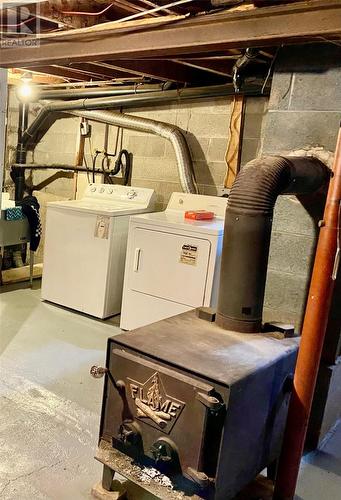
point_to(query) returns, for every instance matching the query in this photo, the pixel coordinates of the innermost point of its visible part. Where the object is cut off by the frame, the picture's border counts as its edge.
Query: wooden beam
(298, 22)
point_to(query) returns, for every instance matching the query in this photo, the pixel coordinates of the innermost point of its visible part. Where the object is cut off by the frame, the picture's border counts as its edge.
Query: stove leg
(107, 478)
(271, 470)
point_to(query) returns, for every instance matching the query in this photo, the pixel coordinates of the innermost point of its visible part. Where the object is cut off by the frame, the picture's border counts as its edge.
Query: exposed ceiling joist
(204, 34)
(64, 72)
(217, 67)
(166, 70)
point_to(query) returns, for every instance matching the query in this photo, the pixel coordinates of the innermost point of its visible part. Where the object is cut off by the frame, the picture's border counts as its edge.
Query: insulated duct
(169, 132)
(247, 234)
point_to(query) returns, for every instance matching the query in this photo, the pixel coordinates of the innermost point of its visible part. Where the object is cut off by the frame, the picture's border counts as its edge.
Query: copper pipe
(313, 334)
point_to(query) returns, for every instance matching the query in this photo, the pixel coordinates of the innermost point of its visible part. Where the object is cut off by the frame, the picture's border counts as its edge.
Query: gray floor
(50, 406)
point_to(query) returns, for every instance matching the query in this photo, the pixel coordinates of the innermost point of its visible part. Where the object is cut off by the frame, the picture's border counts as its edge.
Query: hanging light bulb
(26, 91)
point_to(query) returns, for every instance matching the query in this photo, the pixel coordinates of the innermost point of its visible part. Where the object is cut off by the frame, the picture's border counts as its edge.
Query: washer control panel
(118, 193)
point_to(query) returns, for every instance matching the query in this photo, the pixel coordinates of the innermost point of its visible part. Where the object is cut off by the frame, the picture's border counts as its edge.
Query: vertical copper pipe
(313, 333)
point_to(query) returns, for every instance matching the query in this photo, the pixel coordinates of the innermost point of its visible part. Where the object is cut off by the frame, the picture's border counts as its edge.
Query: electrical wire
(87, 168)
(18, 24)
(151, 11)
(80, 13)
(94, 161)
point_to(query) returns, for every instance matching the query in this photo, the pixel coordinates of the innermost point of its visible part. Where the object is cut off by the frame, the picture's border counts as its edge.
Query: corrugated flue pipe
(247, 235)
(169, 132)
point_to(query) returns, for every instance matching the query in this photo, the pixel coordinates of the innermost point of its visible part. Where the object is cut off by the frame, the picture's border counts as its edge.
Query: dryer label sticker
(189, 255)
(102, 227)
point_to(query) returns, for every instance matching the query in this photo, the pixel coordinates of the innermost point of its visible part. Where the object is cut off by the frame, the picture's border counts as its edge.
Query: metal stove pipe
(100, 91)
(247, 233)
(18, 174)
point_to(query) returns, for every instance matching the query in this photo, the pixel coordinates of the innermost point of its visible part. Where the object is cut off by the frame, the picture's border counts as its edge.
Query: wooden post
(234, 146)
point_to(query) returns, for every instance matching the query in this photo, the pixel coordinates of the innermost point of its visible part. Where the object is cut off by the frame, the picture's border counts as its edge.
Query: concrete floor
(50, 406)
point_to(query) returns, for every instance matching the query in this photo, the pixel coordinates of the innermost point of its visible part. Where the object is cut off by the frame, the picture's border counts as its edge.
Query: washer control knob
(102, 190)
(93, 189)
(131, 194)
(110, 191)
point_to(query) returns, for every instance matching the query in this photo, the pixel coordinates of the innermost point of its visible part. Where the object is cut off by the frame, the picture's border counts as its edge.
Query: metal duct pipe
(169, 132)
(18, 175)
(105, 91)
(55, 166)
(132, 100)
(247, 233)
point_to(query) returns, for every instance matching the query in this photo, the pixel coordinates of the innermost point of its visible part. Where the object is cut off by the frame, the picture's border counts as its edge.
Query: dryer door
(170, 266)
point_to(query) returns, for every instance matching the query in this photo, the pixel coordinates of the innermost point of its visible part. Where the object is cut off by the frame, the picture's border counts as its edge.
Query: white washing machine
(172, 263)
(85, 247)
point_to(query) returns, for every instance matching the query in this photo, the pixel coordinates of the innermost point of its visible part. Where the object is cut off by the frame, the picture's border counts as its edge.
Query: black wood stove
(204, 405)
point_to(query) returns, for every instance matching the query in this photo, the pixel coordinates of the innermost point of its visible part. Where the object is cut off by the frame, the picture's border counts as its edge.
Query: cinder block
(156, 169)
(281, 90)
(291, 253)
(290, 216)
(210, 173)
(286, 293)
(317, 91)
(256, 105)
(219, 105)
(250, 149)
(253, 125)
(165, 191)
(288, 130)
(147, 146)
(217, 149)
(209, 125)
(65, 126)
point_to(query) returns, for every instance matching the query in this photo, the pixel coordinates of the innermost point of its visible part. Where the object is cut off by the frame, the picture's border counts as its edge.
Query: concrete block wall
(304, 111)
(206, 127)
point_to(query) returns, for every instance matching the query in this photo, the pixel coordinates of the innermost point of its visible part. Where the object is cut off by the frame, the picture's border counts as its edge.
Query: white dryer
(85, 247)
(172, 263)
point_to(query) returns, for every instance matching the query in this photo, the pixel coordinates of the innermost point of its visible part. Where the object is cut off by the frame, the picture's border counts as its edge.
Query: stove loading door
(163, 417)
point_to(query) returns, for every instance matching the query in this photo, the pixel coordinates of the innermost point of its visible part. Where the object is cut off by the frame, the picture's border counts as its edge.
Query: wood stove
(203, 405)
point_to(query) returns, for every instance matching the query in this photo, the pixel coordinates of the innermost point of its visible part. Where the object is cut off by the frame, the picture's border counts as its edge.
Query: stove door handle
(211, 402)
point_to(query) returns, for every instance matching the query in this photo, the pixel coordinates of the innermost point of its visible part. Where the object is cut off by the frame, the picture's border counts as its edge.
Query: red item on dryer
(199, 215)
